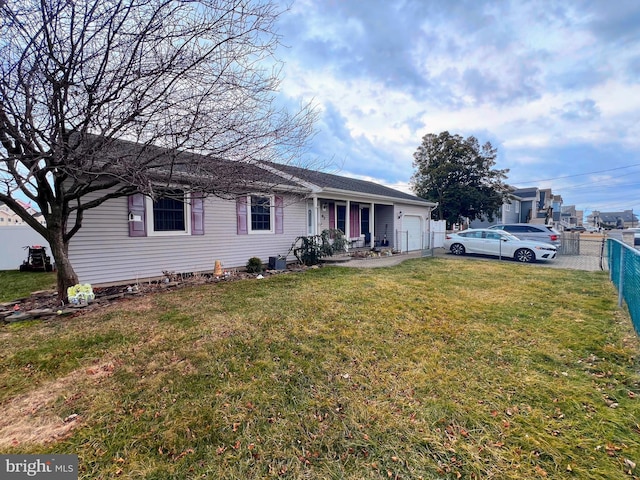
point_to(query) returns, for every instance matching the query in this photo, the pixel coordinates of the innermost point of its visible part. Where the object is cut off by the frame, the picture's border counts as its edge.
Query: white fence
(438, 229)
(13, 239)
(433, 238)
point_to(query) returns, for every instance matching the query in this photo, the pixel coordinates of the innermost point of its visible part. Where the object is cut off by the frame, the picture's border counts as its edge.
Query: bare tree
(105, 98)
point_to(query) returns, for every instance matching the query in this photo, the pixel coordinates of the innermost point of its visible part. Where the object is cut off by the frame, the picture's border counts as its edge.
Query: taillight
(447, 237)
(554, 238)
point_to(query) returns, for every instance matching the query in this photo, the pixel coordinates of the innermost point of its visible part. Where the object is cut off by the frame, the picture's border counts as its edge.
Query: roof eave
(373, 197)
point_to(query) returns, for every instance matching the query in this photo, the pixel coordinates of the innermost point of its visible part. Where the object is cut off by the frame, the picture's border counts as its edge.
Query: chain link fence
(624, 271)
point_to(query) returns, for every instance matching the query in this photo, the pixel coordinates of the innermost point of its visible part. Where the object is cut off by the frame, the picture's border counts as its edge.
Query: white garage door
(412, 225)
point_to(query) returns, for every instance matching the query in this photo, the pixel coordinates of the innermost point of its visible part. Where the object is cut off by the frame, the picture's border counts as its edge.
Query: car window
(516, 228)
(493, 236)
(471, 234)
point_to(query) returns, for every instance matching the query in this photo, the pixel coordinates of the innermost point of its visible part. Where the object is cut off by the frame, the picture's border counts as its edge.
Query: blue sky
(555, 86)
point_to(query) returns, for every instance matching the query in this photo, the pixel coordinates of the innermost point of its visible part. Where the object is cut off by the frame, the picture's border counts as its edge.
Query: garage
(412, 234)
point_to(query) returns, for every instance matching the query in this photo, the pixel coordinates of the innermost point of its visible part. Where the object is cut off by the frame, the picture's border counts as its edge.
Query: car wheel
(457, 249)
(524, 255)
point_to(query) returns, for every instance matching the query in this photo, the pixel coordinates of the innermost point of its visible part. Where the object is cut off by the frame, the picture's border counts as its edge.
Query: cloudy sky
(555, 86)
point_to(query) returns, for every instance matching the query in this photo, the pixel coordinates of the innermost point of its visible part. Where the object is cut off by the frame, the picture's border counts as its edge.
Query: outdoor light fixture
(400, 214)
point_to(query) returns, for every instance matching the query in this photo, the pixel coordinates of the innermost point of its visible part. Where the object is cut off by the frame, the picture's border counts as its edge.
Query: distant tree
(187, 83)
(458, 174)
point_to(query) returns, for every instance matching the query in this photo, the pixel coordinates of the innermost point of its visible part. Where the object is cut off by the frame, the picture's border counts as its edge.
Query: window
(169, 212)
(174, 213)
(261, 214)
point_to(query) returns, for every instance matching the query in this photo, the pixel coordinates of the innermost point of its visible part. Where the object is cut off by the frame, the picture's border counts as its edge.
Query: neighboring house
(509, 213)
(538, 205)
(570, 217)
(624, 219)
(135, 239)
(527, 205)
(8, 217)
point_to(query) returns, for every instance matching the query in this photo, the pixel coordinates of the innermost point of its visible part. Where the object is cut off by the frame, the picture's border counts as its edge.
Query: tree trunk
(66, 275)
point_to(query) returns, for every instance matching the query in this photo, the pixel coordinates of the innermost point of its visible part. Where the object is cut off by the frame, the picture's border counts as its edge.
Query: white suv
(531, 231)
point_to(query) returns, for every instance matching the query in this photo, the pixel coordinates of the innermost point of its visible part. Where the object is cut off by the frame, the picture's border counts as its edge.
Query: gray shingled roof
(329, 180)
(612, 217)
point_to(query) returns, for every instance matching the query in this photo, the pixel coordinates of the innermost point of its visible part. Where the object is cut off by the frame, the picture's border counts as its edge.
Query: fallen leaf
(541, 471)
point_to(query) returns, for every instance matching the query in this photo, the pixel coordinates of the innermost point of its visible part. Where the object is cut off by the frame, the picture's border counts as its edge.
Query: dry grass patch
(32, 419)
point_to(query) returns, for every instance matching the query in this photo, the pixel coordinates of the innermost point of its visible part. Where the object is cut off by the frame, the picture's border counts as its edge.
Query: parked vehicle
(576, 228)
(531, 231)
(498, 243)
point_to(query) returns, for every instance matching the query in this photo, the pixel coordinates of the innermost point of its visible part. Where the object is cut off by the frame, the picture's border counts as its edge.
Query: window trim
(151, 232)
(272, 217)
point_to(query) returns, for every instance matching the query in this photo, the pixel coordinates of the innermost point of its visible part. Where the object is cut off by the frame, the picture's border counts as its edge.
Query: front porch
(365, 225)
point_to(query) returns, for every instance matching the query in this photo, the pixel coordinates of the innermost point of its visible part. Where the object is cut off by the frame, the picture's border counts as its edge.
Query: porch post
(372, 225)
(314, 215)
(347, 221)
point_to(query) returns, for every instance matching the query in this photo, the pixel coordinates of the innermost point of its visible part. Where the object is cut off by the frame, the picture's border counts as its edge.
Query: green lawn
(434, 369)
(15, 284)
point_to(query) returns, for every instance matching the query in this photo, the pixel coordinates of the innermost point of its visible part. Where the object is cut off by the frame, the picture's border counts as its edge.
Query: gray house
(623, 219)
(135, 238)
(527, 205)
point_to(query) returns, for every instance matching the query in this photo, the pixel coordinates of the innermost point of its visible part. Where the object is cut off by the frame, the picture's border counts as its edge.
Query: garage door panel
(413, 226)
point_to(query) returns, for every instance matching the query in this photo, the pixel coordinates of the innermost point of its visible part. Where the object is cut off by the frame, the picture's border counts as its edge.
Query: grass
(15, 284)
(434, 369)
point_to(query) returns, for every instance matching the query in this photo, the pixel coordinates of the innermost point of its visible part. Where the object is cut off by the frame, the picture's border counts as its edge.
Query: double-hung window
(261, 214)
(172, 212)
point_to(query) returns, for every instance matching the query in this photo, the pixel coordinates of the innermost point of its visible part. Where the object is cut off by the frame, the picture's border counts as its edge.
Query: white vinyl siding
(103, 252)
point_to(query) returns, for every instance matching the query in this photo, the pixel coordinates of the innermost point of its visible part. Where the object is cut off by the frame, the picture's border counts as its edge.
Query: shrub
(254, 265)
(310, 250)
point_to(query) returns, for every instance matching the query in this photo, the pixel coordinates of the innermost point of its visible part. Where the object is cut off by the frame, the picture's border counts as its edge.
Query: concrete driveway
(588, 259)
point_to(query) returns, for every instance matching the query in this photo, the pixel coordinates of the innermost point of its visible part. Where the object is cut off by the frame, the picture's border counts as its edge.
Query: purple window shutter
(354, 221)
(279, 214)
(241, 215)
(197, 214)
(332, 215)
(137, 228)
